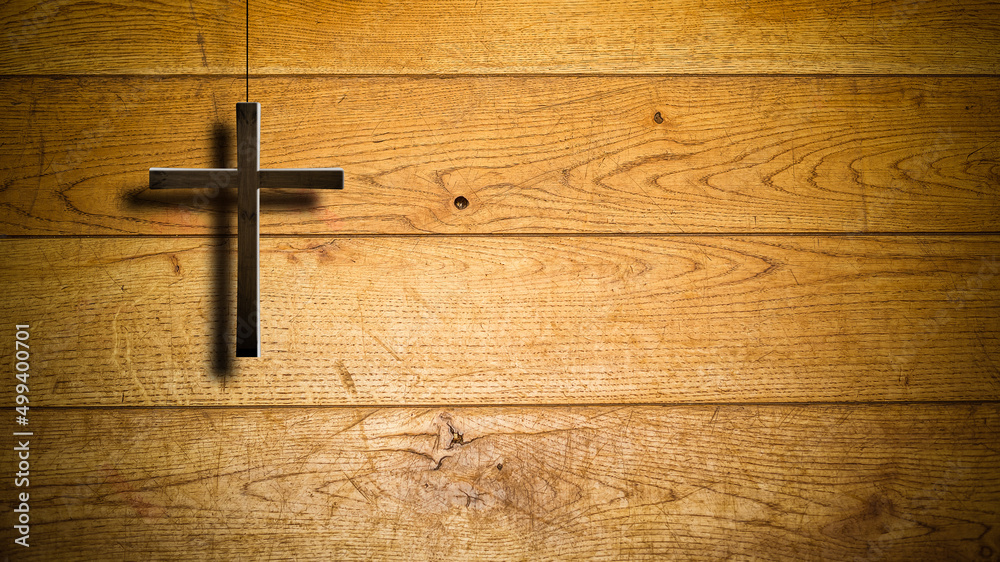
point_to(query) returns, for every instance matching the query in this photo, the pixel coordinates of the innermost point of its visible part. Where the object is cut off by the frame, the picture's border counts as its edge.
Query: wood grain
(857, 482)
(652, 330)
(513, 36)
(539, 155)
(512, 320)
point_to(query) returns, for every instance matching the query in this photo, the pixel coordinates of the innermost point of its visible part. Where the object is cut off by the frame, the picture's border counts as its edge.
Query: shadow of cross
(250, 178)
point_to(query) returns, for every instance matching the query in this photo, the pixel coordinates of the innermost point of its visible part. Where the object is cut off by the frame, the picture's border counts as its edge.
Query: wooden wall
(726, 286)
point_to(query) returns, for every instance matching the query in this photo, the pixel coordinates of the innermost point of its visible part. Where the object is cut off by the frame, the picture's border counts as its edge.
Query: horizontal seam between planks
(443, 405)
(520, 235)
(824, 75)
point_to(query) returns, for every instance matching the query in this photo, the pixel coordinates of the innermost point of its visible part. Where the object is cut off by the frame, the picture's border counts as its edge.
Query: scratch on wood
(345, 376)
(364, 494)
(126, 354)
(201, 37)
(379, 341)
(361, 315)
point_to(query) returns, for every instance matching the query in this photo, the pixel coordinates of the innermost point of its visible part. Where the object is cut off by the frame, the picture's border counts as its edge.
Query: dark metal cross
(249, 178)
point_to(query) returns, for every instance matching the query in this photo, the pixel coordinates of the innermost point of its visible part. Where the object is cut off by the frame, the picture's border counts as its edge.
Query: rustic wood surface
(542, 154)
(692, 280)
(832, 482)
(512, 36)
(514, 320)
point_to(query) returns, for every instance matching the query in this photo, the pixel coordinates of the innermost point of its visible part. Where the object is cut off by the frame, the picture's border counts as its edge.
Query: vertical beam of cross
(249, 179)
(248, 230)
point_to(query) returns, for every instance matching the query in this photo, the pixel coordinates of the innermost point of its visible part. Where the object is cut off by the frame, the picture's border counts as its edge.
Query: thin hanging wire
(248, 50)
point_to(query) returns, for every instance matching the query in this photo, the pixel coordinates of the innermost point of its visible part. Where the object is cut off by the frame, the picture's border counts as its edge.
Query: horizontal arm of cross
(310, 178)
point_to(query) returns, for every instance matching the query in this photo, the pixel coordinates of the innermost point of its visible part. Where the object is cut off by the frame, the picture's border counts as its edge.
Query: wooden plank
(652, 155)
(857, 482)
(513, 36)
(512, 320)
(248, 232)
(141, 37)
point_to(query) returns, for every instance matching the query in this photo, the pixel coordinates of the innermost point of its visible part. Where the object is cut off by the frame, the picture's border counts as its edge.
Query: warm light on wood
(614, 280)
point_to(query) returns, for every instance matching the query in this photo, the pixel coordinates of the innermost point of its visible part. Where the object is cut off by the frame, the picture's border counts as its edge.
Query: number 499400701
(22, 356)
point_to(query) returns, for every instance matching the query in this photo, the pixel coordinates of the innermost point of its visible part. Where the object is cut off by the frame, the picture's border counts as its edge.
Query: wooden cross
(249, 178)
